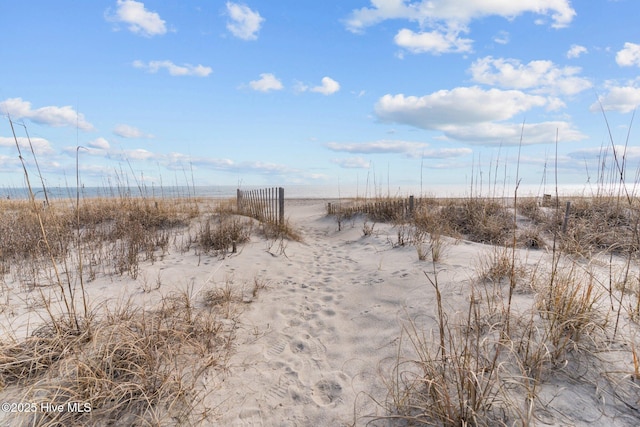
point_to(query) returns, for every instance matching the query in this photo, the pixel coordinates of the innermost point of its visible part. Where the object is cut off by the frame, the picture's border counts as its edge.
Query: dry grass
(221, 232)
(602, 224)
(126, 365)
(488, 366)
(129, 366)
(496, 363)
(480, 220)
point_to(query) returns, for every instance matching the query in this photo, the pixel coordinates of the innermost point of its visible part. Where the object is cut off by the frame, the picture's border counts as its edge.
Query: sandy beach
(323, 328)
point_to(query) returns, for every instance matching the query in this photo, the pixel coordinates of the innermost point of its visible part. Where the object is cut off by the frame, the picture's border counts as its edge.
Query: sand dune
(318, 345)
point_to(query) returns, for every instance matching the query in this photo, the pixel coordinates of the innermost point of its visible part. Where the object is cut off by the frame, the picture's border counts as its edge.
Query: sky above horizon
(330, 93)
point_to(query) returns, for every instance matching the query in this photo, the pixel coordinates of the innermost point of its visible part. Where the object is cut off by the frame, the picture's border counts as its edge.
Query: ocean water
(303, 191)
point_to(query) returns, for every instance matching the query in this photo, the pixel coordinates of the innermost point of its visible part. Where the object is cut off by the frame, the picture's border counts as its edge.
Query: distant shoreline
(318, 192)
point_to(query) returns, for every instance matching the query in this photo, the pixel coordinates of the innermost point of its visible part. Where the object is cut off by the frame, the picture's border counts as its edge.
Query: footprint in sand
(280, 391)
(329, 390)
(249, 417)
(278, 347)
(308, 346)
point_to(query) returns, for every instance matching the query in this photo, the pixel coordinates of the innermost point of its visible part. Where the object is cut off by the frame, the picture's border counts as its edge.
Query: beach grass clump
(603, 223)
(118, 232)
(129, 366)
(531, 208)
(570, 307)
(489, 365)
(450, 379)
(22, 226)
(480, 220)
(219, 233)
(284, 230)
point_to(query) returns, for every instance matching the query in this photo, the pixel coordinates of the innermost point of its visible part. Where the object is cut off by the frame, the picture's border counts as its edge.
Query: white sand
(314, 348)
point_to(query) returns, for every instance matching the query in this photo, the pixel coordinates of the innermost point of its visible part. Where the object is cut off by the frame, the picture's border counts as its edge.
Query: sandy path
(310, 346)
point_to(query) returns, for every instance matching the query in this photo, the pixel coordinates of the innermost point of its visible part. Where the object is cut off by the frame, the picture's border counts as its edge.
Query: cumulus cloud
(266, 83)
(138, 18)
(541, 76)
(50, 115)
(629, 55)
(576, 51)
(139, 154)
(435, 42)
(40, 145)
(126, 131)
(462, 105)
(474, 115)
(456, 13)
(623, 99)
(244, 23)
(490, 133)
(328, 86)
(99, 143)
(173, 69)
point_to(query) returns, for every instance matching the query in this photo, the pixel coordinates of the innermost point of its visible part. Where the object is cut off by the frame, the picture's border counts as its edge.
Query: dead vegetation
(118, 363)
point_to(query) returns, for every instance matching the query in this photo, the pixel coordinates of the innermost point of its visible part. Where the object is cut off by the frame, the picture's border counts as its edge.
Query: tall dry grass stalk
(126, 364)
(497, 364)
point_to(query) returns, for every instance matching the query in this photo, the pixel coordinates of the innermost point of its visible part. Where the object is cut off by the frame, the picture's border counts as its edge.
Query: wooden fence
(383, 210)
(266, 205)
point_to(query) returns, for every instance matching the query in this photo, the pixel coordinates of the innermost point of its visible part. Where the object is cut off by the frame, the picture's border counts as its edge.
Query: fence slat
(265, 204)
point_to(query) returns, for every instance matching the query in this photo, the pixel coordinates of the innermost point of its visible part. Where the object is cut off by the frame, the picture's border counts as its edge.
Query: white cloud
(446, 153)
(490, 133)
(630, 152)
(457, 13)
(576, 50)
(173, 69)
(475, 116)
(622, 99)
(139, 154)
(51, 115)
(328, 86)
(408, 148)
(266, 83)
(245, 23)
(462, 105)
(377, 147)
(502, 37)
(7, 164)
(263, 168)
(40, 145)
(140, 20)
(629, 55)
(126, 131)
(99, 143)
(541, 76)
(435, 42)
(352, 163)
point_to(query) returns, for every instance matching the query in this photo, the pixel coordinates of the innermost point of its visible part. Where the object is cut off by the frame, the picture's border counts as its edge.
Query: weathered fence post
(566, 218)
(412, 205)
(281, 205)
(239, 201)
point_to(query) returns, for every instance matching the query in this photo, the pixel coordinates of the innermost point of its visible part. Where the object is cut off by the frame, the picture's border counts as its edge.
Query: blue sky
(292, 92)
